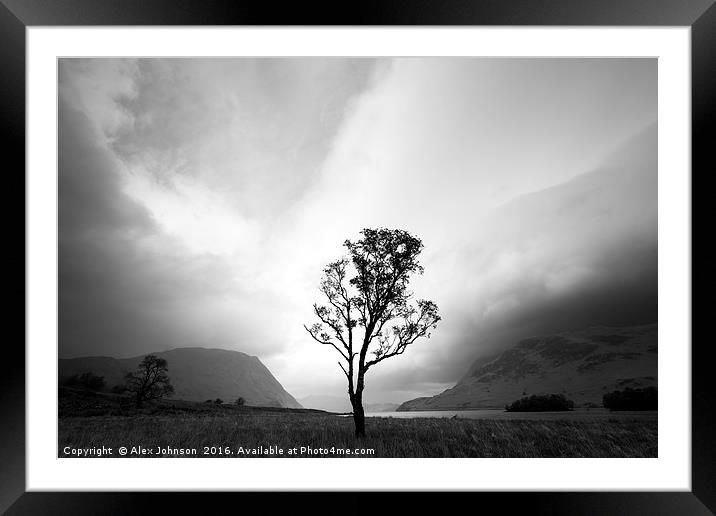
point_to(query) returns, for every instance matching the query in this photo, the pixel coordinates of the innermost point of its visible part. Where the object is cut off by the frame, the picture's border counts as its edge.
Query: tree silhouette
(376, 301)
(150, 380)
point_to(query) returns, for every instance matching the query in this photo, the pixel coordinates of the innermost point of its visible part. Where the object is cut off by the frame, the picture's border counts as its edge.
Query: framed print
(299, 252)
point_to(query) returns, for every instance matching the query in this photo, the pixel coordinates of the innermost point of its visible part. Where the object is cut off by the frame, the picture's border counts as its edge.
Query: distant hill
(582, 365)
(380, 407)
(342, 404)
(197, 374)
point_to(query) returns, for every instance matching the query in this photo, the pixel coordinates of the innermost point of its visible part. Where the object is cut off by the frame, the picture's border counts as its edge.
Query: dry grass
(426, 437)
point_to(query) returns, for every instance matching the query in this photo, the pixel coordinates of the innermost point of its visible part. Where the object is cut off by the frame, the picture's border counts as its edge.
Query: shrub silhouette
(541, 403)
(119, 389)
(87, 380)
(240, 401)
(631, 399)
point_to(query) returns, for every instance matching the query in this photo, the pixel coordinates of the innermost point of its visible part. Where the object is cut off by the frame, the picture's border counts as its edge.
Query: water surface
(502, 414)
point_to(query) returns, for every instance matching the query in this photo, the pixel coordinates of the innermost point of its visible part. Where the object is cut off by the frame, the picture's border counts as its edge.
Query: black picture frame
(17, 15)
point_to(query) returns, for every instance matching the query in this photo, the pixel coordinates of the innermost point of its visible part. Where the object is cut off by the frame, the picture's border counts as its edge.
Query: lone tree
(370, 315)
(150, 380)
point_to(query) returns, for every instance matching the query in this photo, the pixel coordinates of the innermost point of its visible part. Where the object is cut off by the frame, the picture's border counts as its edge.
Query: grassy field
(92, 421)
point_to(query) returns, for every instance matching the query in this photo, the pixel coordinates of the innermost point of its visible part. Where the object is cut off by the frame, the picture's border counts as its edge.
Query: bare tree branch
(325, 342)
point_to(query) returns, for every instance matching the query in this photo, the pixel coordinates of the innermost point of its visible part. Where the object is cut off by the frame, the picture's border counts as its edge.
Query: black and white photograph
(353, 257)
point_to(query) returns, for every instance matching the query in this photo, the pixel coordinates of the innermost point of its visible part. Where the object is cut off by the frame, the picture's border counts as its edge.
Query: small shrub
(240, 401)
(218, 401)
(70, 381)
(541, 403)
(87, 381)
(632, 399)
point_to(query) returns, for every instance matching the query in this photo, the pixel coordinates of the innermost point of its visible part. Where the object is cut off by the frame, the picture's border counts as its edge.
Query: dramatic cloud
(126, 287)
(200, 200)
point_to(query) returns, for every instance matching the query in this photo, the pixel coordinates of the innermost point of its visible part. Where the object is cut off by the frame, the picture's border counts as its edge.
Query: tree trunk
(359, 417)
(358, 413)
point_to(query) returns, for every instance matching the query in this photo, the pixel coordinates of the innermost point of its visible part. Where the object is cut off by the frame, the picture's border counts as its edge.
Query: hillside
(197, 374)
(581, 365)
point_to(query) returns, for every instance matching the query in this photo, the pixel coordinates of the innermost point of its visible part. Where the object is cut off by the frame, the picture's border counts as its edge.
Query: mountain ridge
(197, 374)
(583, 365)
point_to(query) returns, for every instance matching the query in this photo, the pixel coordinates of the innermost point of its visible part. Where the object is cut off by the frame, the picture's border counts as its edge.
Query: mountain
(342, 404)
(380, 407)
(582, 365)
(197, 374)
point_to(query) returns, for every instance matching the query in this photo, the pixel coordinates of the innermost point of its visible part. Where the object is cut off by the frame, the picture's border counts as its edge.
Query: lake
(501, 414)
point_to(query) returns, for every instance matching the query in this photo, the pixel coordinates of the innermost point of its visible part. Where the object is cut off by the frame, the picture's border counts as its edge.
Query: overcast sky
(199, 200)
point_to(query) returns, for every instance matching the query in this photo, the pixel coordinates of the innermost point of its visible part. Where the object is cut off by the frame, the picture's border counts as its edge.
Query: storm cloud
(199, 200)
